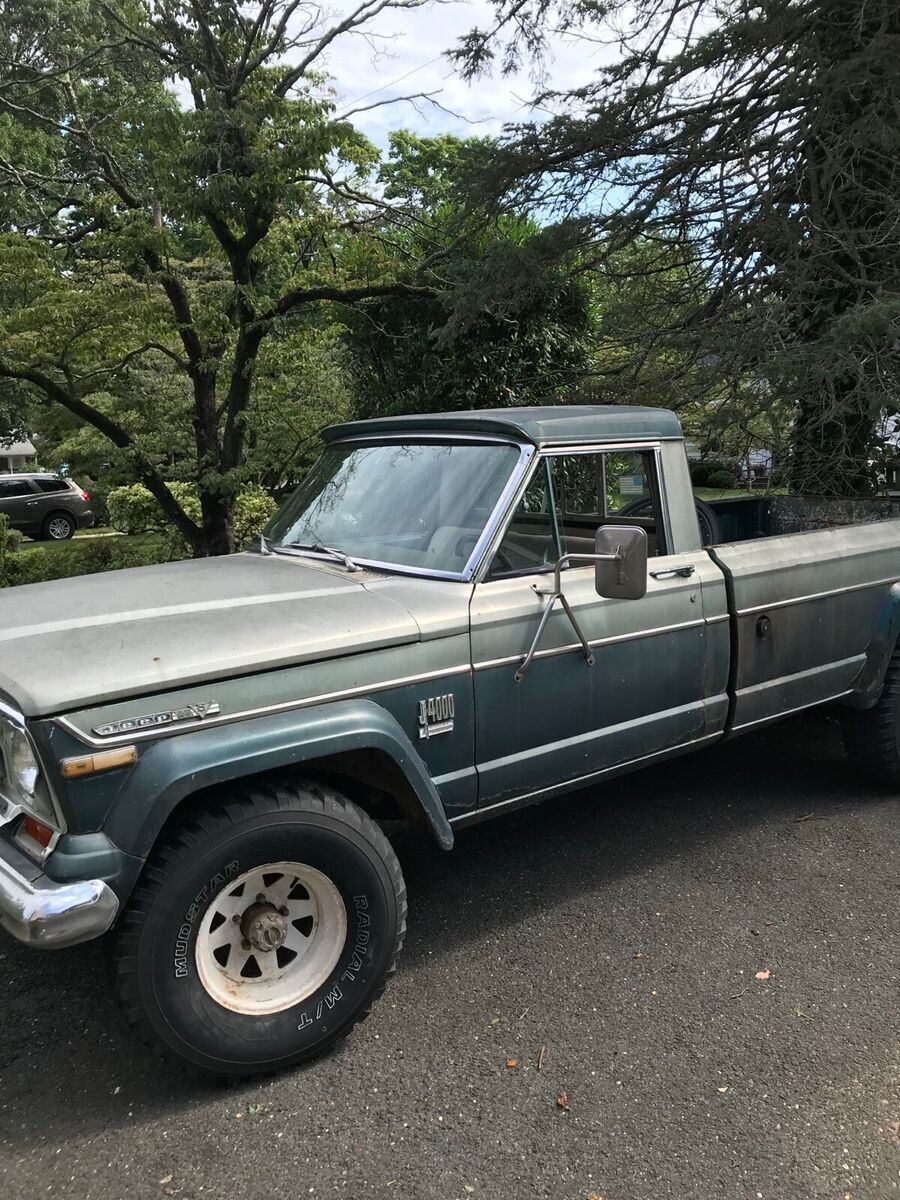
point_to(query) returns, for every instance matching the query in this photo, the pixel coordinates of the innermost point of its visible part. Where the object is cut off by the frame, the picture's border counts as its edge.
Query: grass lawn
(86, 535)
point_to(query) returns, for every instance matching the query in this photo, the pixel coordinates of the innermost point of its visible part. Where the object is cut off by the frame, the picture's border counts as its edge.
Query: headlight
(21, 763)
(21, 782)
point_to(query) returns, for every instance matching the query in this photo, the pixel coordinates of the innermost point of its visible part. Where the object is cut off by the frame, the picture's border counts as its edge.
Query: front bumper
(40, 912)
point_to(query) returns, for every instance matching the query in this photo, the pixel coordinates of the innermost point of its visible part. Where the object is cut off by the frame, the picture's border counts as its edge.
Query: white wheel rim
(271, 938)
(59, 529)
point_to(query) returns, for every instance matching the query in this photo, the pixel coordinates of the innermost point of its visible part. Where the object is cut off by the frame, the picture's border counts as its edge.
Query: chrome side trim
(789, 712)
(264, 710)
(481, 814)
(852, 587)
(593, 642)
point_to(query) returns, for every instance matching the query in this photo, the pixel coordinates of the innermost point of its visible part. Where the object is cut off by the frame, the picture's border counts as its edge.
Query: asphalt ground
(608, 944)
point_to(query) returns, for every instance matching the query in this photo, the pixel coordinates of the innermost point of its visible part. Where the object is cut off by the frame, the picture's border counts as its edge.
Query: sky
(407, 56)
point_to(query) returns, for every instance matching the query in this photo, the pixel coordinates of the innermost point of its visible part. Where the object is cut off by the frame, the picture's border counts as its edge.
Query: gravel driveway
(614, 938)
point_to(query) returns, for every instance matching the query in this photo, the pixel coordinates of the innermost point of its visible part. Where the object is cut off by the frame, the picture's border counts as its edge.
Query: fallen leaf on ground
(562, 1101)
(724, 1089)
(469, 1188)
(167, 1179)
(764, 974)
(512, 1062)
(637, 954)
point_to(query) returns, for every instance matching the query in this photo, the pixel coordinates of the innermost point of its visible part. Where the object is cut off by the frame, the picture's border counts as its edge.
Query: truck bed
(802, 610)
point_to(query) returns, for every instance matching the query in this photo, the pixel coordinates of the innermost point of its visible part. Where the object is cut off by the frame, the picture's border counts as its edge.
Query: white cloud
(405, 54)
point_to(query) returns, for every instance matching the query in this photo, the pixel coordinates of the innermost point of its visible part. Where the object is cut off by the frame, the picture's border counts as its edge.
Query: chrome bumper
(47, 914)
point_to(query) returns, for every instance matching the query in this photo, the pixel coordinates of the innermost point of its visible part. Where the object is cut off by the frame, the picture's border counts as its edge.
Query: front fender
(175, 767)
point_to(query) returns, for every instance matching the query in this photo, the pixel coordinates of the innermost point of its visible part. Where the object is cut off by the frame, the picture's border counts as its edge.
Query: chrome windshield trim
(262, 711)
(527, 451)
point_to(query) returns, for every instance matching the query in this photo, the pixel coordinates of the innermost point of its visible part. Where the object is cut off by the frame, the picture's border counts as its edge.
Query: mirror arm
(557, 594)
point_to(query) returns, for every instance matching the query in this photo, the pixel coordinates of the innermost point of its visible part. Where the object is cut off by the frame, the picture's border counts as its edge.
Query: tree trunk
(216, 506)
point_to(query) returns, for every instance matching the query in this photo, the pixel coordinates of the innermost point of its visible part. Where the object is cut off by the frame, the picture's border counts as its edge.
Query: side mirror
(622, 575)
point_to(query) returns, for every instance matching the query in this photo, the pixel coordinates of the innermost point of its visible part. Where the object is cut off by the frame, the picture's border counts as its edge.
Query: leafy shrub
(85, 556)
(252, 512)
(10, 539)
(703, 471)
(721, 479)
(133, 509)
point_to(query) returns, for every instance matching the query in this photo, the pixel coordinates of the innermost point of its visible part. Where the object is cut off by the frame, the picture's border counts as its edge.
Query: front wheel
(261, 932)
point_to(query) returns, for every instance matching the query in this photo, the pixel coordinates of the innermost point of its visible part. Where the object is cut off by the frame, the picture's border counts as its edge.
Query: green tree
(509, 325)
(757, 142)
(177, 197)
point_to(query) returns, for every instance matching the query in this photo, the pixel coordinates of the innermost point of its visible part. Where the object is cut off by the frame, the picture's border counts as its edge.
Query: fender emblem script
(190, 712)
(436, 715)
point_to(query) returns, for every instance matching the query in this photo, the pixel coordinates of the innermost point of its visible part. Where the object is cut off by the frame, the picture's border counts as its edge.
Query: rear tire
(261, 932)
(58, 527)
(872, 735)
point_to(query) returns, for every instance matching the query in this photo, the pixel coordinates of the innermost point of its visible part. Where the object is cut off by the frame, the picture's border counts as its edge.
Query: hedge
(133, 509)
(85, 556)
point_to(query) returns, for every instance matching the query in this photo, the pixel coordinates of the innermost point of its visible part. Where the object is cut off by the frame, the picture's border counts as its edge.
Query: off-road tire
(153, 948)
(872, 735)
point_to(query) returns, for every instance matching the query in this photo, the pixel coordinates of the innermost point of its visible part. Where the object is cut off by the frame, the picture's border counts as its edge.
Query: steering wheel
(710, 530)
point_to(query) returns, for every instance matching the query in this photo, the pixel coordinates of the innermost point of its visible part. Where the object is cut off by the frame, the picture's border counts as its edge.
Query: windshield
(419, 504)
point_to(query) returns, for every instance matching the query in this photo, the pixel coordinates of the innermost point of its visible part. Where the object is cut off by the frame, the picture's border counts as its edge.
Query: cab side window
(617, 487)
(569, 497)
(530, 542)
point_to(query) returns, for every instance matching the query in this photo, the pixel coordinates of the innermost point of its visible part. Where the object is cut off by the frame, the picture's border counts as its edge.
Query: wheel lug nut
(245, 945)
(260, 897)
(283, 910)
(236, 918)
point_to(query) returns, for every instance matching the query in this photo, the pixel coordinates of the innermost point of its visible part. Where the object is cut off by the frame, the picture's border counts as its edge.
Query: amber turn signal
(90, 764)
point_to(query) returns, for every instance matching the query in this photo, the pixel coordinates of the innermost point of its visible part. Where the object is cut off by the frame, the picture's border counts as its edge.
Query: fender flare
(175, 767)
(870, 680)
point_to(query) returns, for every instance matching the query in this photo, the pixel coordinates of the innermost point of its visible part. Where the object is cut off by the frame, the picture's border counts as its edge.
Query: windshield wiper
(318, 548)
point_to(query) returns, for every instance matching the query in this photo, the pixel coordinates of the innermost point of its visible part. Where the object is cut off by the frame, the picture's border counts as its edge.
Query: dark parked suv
(46, 507)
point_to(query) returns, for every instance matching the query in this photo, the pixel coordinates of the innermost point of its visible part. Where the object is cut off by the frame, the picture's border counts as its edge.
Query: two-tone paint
(297, 663)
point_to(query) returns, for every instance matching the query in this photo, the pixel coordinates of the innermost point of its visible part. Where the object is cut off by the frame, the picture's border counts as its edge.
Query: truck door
(645, 694)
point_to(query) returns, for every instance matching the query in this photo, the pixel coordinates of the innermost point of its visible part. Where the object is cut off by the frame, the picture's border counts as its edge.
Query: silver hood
(89, 640)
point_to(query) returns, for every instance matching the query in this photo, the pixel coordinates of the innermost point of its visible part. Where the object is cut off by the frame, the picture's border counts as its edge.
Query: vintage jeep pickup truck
(453, 615)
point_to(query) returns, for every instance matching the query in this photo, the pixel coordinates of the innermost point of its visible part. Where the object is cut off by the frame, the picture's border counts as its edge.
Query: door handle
(685, 572)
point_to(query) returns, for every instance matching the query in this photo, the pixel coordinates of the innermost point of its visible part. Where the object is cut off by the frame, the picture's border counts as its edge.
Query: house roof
(565, 424)
(16, 450)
